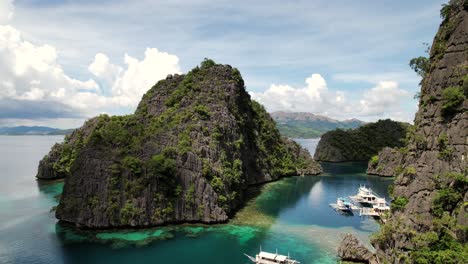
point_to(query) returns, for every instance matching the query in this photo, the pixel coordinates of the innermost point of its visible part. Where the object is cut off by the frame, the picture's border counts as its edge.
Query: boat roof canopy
(280, 258)
(272, 256)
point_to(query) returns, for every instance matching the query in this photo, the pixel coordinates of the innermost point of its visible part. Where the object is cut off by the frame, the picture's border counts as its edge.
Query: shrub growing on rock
(374, 160)
(452, 97)
(445, 200)
(399, 203)
(420, 65)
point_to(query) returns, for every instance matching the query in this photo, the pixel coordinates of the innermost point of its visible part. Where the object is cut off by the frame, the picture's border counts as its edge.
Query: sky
(64, 61)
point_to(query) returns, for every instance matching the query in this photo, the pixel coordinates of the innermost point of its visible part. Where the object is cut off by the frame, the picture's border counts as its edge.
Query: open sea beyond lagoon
(291, 215)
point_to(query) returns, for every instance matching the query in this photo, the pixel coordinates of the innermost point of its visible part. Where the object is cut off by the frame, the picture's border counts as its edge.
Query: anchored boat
(271, 258)
(377, 210)
(375, 205)
(365, 196)
(344, 205)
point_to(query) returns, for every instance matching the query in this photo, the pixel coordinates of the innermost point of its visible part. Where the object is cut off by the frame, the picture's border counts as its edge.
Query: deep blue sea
(291, 215)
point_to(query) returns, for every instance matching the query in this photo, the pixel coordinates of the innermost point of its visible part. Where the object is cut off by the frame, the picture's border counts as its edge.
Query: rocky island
(362, 143)
(193, 146)
(428, 222)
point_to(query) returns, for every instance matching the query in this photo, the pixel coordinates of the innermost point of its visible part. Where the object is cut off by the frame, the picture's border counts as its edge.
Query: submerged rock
(351, 249)
(194, 145)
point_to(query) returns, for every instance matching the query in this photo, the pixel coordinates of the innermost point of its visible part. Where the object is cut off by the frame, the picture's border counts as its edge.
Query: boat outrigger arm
(251, 258)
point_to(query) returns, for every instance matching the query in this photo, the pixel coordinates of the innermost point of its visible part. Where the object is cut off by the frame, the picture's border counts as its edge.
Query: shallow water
(291, 215)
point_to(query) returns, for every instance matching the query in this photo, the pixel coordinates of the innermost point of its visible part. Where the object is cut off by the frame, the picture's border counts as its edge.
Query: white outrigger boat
(342, 204)
(378, 209)
(365, 196)
(271, 258)
(374, 205)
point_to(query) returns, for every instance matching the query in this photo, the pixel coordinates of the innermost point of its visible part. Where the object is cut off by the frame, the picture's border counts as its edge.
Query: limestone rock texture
(193, 146)
(388, 163)
(430, 223)
(351, 249)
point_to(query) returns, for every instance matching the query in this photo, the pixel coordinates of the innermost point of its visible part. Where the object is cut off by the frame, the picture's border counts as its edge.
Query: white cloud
(119, 83)
(6, 11)
(128, 85)
(102, 68)
(139, 76)
(382, 101)
(30, 72)
(34, 94)
(314, 97)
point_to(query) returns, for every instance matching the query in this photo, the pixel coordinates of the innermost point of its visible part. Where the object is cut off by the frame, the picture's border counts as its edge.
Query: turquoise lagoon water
(291, 215)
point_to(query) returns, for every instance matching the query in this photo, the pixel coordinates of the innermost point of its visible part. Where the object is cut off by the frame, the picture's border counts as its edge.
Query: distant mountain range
(33, 130)
(308, 125)
(290, 124)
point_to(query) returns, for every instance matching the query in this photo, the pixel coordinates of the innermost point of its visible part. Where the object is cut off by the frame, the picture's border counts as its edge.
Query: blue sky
(328, 57)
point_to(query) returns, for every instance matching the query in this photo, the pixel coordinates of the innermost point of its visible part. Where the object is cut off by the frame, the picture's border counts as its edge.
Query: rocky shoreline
(351, 249)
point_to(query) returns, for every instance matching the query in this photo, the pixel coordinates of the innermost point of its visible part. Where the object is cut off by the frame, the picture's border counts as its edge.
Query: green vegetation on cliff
(444, 242)
(360, 144)
(428, 222)
(452, 97)
(193, 146)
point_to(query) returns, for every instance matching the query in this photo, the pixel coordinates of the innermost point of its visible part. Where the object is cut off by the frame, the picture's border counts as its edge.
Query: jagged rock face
(360, 144)
(430, 226)
(193, 146)
(388, 162)
(57, 163)
(351, 249)
(46, 169)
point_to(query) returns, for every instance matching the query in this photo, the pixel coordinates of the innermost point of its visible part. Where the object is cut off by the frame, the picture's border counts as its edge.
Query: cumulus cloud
(382, 101)
(128, 85)
(31, 73)
(314, 97)
(103, 69)
(32, 78)
(6, 11)
(34, 85)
